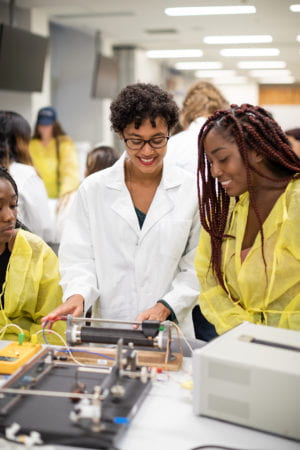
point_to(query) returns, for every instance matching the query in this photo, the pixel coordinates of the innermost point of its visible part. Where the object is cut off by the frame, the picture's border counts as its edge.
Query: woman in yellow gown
(54, 155)
(248, 259)
(29, 275)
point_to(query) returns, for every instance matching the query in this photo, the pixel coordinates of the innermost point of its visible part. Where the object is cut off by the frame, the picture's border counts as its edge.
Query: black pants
(204, 330)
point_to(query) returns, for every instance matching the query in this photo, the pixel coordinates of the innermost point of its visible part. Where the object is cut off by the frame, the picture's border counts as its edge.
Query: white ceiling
(143, 23)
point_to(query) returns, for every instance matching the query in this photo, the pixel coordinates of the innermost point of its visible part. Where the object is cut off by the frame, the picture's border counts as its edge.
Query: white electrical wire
(179, 332)
(64, 342)
(10, 325)
(173, 324)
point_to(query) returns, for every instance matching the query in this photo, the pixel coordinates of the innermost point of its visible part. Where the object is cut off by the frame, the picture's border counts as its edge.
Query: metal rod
(46, 393)
(4, 410)
(93, 370)
(89, 319)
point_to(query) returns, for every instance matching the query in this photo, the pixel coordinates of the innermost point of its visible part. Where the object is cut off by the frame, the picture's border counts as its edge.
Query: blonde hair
(201, 100)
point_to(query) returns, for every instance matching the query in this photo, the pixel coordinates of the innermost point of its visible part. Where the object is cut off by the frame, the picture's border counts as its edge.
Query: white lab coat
(183, 147)
(33, 209)
(104, 254)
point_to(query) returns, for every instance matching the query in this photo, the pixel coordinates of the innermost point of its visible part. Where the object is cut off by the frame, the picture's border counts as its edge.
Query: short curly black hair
(138, 102)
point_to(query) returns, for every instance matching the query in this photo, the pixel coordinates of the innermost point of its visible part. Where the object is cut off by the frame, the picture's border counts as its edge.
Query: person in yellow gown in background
(54, 155)
(29, 275)
(248, 259)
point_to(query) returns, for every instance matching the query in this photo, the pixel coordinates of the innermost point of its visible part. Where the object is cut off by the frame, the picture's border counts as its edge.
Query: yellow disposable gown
(59, 177)
(257, 294)
(31, 288)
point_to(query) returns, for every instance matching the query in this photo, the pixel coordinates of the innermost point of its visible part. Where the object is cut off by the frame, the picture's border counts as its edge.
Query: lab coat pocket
(173, 237)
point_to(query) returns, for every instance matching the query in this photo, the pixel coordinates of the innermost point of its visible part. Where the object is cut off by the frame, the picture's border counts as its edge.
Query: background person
(129, 243)
(33, 210)
(29, 276)
(99, 158)
(201, 100)
(294, 138)
(248, 259)
(54, 155)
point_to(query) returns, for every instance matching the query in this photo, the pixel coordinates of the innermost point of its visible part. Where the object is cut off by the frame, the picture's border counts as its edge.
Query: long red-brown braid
(213, 212)
(251, 127)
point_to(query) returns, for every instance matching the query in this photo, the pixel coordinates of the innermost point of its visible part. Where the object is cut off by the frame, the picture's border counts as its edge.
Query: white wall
(72, 60)
(146, 70)
(40, 25)
(84, 118)
(179, 83)
(288, 116)
(240, 93)
(19, 102)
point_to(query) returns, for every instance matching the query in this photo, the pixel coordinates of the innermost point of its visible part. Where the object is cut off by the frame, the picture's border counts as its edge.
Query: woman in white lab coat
(129, 244)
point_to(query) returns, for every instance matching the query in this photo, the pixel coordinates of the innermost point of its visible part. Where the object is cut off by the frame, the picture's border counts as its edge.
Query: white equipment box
(251, 376)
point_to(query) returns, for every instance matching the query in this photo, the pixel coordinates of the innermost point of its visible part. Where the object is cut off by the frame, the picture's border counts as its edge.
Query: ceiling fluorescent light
(295, 8)
(250, 52)
(261, 65)
(214, 73)
(250, 39)
(298, 38)
(197, 65)
(188, 53)
(286, 80)
(209, 10)
(233, 80)
(269, 73)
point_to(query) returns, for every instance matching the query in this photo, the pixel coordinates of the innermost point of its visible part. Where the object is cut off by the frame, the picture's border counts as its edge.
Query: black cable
(217, 447)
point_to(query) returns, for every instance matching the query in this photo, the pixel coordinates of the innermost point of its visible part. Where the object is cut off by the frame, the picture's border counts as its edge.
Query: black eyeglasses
(155, 142)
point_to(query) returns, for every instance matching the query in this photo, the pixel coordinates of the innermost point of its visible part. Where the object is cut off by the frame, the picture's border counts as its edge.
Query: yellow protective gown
(268, 296)
(45, 161)
(31, 288)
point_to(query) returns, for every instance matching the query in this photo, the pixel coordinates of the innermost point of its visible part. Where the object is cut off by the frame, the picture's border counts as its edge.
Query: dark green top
(141, 218)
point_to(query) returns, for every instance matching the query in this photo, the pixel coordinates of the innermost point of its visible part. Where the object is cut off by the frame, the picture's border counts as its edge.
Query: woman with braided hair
(248, 259)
